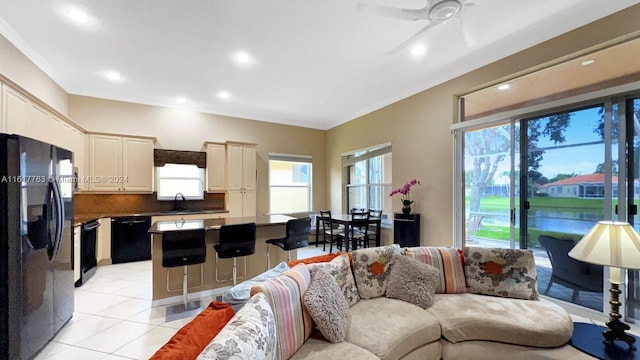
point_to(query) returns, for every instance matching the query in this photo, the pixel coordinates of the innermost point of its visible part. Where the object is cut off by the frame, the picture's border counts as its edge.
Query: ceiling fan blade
(412, 39)
(468, 32)
(398, 13)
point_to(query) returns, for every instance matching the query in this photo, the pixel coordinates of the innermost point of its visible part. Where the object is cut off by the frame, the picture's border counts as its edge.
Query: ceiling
(310, 63)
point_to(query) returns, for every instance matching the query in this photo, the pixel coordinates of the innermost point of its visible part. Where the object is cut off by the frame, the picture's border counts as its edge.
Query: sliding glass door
(569, 191)
(490, 160)
(541, 183)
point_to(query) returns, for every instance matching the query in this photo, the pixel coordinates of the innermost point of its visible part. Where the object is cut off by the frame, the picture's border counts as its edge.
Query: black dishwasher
(130, 239)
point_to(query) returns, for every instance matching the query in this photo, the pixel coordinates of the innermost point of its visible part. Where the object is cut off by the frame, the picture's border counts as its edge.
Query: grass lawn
(501, 232)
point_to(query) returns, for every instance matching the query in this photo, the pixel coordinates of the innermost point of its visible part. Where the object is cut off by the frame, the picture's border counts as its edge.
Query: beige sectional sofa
(462, 325)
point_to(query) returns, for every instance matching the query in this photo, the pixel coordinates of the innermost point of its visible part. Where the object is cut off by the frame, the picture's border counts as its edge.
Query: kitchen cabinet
(14, 111)
(241, 179)
(22, 116)
(120, 163)
(216, 166)
(103, 242)
(241, 166)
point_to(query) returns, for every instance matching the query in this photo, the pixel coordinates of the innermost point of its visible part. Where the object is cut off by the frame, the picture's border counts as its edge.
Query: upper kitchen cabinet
(241, 179)
(120, 163)
(216, 166)
(14, 111)
(241, 166)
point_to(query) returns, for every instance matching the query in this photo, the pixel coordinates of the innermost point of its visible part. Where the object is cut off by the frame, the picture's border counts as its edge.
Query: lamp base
(616, 327)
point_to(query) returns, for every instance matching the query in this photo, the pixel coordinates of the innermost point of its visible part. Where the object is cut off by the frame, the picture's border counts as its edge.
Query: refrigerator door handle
(59, 209)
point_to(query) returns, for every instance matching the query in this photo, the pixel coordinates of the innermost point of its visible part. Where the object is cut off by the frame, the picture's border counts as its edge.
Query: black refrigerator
(36, 244)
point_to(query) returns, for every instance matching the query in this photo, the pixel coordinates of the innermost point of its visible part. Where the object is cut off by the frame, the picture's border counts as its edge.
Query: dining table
(346, 220)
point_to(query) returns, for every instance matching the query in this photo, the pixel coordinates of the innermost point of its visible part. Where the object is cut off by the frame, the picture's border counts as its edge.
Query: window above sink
(180, 178)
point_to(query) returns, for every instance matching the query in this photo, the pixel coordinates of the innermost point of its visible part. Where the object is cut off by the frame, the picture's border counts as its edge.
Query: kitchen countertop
(214, 224)
(79, 220)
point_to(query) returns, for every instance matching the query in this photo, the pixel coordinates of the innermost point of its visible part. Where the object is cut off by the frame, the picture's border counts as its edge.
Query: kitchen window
(289, 183)
(180, 178)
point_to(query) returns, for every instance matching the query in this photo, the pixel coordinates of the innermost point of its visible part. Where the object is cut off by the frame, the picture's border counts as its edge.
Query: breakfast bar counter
(167, 282)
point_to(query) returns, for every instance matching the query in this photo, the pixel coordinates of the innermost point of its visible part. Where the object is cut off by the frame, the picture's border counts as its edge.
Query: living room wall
(419, 126)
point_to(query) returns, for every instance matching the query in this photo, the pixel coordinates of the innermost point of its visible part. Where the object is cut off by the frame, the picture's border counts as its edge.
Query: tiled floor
(114, 319)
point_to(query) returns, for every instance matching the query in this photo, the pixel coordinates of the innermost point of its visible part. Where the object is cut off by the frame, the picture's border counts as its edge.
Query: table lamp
(614, 244)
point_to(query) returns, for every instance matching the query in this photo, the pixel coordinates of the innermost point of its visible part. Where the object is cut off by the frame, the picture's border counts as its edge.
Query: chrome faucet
(175, 201)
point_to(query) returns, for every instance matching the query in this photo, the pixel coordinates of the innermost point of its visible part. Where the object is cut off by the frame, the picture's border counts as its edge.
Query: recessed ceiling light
(224, 95)
(113, 76)
(243, 58)
(78, 15)
(181, 100)
(504, 87)
(587, 62)
(418, 50)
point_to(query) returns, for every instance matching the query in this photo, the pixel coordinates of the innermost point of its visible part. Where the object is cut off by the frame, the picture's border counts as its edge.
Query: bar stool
(298, 232)
(183, 248)
(236, 240)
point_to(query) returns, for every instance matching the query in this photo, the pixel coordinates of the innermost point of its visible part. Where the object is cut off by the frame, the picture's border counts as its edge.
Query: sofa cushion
(487, 350)
(468, 316)
(501, 272)
(391, 328)
(371, 269)
(448, 260)
(340, 269)
(249, 335)
(328, 308)
(189, 341)
(314, 349)
(240, 293)
(412, 281)
(284, 294)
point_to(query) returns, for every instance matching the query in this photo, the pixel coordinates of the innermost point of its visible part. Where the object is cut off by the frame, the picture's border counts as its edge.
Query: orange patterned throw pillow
(501, 272)
(371, 270)
(192, 338)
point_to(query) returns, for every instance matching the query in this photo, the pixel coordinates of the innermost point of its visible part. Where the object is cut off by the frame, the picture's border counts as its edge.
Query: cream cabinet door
(14, 111)
(105, 163)
(39, 124)
(249, 202)
(216, 167)
(77, 139)
(249, 167)
(234, 203)
(137, 164)
(235, 167)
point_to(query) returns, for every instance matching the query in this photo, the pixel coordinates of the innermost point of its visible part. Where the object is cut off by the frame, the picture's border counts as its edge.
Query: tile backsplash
(137, 203)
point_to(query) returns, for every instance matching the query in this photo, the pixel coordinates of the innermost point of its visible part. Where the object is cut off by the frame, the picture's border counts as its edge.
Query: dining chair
(359, 228)
(329, 231)
(374, 228)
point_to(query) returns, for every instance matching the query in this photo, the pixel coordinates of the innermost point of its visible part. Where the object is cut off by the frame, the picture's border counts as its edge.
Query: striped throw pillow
(450, 263)
(284, 294)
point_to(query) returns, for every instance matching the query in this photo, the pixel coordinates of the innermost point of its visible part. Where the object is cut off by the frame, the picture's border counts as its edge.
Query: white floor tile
(51, 350)
(98, 303)
(126, 309)
(152, 316)
(82, 328)
(115, 337)
(147, 344)
(68, 352)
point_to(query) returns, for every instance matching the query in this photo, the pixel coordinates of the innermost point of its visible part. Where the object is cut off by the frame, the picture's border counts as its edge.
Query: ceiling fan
(434, 12)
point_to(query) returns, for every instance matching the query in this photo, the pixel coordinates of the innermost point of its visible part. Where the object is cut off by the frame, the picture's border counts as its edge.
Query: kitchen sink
(180, 211)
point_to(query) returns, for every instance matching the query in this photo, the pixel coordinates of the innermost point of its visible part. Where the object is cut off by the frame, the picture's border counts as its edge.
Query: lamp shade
(609, 243)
